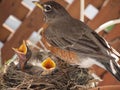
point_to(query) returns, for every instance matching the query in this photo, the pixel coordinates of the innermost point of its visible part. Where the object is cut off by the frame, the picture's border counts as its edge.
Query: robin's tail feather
(114, 68)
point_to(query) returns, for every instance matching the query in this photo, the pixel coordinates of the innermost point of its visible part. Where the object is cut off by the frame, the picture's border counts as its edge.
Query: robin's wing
(80, 41)
(91, 42)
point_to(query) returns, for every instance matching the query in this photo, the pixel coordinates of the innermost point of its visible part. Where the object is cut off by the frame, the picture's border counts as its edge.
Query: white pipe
(82, 5)
(40, 30)
(41, 43)
(105, 25)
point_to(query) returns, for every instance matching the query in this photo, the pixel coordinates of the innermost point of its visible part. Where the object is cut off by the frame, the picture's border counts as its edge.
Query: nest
(64, 77)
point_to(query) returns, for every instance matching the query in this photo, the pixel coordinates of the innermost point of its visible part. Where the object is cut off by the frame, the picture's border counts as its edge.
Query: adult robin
(74, 42)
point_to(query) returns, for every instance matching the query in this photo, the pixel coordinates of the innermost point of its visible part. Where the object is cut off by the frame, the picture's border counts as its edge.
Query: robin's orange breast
(66, 55)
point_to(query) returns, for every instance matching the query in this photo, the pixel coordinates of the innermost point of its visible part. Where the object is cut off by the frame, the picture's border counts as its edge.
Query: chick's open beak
(38, 4)
(48, 64)
(22, 49)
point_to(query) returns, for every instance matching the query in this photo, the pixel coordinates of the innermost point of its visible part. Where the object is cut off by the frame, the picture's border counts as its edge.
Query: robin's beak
(38, 4)
(48, 64)
(24, 54)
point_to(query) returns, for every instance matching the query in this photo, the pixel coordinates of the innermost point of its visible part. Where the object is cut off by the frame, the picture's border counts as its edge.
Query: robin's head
(52, 10)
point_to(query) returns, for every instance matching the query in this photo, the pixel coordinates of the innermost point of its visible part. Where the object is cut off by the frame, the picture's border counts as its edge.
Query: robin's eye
(47, 8)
